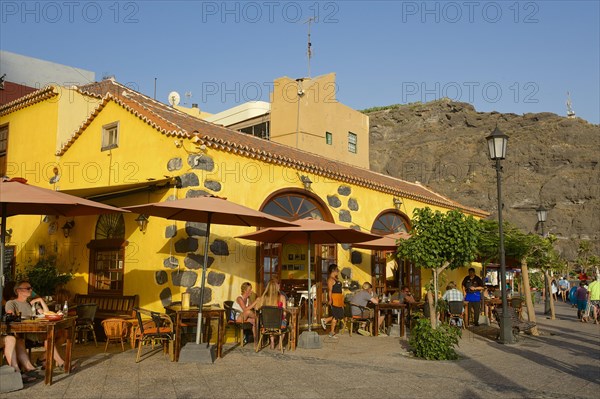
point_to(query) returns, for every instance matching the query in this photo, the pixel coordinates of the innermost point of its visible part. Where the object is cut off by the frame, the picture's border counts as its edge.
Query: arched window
(292, 207)
(390, 222)
(107, 255)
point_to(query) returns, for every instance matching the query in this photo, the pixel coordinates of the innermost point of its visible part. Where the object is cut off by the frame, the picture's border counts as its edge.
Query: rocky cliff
(551, 161)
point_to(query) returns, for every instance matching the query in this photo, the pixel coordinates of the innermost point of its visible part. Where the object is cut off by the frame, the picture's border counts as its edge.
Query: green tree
(517, 245)
(544, 256)
(586, 259)
(439, 241)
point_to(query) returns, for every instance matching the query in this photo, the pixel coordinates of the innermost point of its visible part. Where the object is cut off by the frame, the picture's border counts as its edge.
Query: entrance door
(289, 261)
(385, 271)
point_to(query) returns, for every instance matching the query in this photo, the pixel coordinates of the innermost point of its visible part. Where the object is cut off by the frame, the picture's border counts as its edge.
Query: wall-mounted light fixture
(306, 182)
(9, 233)
(68, 227)
(397, 203)
(142, 222)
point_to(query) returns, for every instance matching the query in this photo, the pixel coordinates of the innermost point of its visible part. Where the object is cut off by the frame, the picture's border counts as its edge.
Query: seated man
(452, 294)
(362, 299)
(404, 296)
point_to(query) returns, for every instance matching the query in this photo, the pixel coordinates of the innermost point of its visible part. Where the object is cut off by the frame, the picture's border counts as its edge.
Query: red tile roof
(12, 91)
(26, 100)
(172, 122)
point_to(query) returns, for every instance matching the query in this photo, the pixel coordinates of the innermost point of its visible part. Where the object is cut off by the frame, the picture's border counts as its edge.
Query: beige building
(304, 114)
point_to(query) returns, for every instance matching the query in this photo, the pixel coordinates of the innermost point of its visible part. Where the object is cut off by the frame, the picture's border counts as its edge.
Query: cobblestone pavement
(563, 362)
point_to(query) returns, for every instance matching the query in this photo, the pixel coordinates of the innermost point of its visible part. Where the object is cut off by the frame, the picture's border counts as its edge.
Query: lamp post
(497, 148)
(542, 214)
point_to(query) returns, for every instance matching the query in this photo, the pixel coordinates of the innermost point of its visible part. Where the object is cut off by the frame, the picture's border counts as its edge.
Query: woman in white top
(244, 308)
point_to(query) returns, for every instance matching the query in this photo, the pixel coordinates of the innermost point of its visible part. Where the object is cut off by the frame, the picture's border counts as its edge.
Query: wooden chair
(350, 320)
(115, 330)
(85, 321)
(157, 329)
(270, 320)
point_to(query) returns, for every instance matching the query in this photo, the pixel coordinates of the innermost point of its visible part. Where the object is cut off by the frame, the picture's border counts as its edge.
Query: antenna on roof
(570, 112)
(188, 95)
(309, 47)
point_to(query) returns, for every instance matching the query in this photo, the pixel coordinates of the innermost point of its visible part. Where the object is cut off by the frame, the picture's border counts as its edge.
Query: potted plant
(45, 277)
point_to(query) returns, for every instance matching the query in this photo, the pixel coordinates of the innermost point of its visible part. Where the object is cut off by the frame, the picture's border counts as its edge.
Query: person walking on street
(335, 301)
(594, 293)
(582, 297)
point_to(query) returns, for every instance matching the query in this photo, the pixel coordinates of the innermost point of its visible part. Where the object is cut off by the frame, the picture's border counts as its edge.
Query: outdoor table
(294, 312)
(192, 314)
(49, 329)
(390, 306)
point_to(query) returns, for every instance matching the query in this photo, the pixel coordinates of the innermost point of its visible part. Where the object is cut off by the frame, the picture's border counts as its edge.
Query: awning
(108, 192)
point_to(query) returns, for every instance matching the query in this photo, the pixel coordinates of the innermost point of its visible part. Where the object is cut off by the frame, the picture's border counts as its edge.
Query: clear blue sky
(506, 56)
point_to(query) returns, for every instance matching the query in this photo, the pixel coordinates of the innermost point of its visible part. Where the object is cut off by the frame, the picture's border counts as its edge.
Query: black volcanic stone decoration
(334, 201)
(353, 204)
(165, 297)
(346, 246)
(185, 278)
(171, 262)
(170, 231)
(212, 185)
(356, 258)
(215, 278)
(186, 245)
(195, 229)
(174, 164)
(196, 193)
(355, 227)
(344, 190)
(194, 261)
(195, 295)
(345, 216)
(219, 247)
(189, 180)
(202, 162)
(161, 277)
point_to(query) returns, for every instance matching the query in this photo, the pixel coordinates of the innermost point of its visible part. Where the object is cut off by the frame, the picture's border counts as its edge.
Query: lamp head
(497, 144)
(542, 214)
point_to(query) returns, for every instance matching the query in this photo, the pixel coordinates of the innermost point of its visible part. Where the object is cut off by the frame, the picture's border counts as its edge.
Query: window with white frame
(352, 142)
(110, 136)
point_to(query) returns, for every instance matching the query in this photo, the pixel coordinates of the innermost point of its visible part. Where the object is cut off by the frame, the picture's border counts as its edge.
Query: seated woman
(273, 297)
(23, 305)
(244, 308)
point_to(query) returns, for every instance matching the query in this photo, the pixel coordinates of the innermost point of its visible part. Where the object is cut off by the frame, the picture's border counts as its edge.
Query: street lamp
(542, 214)
(497, 147)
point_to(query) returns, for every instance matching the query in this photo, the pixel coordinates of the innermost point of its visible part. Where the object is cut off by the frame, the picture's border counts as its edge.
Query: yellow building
(108, 143)
(304, 114)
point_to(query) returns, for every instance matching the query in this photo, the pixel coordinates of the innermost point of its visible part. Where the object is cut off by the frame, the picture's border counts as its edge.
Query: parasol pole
(204, 267)
(2, 245)
(309, 288)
